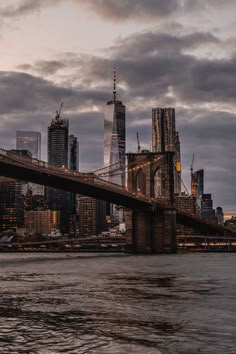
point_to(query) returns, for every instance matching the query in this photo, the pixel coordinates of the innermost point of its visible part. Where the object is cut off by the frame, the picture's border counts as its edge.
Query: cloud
(119, 11)
(109, 9)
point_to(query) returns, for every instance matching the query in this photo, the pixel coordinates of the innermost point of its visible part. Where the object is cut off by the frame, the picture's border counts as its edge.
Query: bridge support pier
(163, 236)
(151, 232)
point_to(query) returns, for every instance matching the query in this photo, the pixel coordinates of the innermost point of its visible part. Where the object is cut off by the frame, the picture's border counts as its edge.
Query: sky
(168, 53)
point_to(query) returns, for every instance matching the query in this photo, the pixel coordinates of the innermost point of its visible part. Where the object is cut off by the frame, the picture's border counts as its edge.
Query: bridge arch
(157, 183)
(141, 182)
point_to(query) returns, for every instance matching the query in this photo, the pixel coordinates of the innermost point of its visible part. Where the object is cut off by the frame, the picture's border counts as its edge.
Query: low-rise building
(42, 221)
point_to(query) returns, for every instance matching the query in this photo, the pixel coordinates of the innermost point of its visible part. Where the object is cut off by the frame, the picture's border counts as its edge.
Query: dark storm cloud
(28, 102)
(113, 10)
(153, 43)
(150, 63)
(108, 9)
(23, 92)
(47, 67)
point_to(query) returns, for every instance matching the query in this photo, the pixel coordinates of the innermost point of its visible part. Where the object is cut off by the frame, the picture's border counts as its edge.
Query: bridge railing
(89, 178)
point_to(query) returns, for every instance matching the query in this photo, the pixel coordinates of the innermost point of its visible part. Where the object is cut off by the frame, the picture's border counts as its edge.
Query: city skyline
(185, 61)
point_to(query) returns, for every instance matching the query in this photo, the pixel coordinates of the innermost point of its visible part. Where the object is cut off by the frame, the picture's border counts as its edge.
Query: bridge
(150, 217)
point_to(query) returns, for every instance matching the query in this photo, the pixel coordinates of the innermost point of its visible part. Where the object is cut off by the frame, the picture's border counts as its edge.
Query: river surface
(120, 304)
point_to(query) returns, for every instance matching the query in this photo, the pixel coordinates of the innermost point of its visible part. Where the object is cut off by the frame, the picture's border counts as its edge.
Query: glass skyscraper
(73, 151)
(31, 141)
(114, 139)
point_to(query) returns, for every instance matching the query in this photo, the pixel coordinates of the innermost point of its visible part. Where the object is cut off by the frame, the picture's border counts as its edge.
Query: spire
(114, 84)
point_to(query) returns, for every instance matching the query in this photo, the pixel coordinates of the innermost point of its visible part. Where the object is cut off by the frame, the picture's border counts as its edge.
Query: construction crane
(58, 113)
(139, 147)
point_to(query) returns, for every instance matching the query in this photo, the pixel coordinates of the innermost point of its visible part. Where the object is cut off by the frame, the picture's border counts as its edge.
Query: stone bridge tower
(151, 174)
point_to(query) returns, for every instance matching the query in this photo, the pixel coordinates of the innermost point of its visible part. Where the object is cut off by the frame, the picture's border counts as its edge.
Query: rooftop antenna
(114, 84)
(58, 113)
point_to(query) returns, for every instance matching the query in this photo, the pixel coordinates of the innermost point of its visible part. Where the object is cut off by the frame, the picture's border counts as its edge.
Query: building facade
(42, 221)
(115, 139)
(197, 183)
(207, 211)
(73, 151)
(11, 204)
(220, 216)
(92, 216)
(31, 141)
(58, 142)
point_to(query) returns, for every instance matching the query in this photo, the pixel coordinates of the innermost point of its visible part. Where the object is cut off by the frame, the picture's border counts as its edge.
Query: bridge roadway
(88, 184)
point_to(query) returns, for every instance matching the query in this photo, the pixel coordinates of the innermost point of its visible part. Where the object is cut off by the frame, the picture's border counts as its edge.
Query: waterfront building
(186, 203)
(31, 141)
(231, 224)
(220, 215)
(58, 139)
(42, 221)
(92, 216)
(11, 204)
(207, 211)
(165, 138)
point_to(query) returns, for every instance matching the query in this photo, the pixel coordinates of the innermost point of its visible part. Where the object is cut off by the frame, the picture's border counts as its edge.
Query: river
(117, 304)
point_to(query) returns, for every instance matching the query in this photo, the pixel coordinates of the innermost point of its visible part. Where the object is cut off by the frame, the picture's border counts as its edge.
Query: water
(98, 304)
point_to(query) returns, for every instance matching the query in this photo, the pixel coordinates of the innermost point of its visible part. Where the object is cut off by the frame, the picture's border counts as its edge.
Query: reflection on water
(116, 305)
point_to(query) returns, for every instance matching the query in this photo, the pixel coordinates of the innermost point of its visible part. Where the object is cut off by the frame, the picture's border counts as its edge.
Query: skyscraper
(58, 136)
(92, 216)
(220, 215)
(31, 141)
(197, 183)
(114, 138)
(165, 138)
(73, 153)
(11, 204)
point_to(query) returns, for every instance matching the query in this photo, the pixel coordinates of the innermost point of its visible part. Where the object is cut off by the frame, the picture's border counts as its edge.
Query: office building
(31, 141)
(42, 221)
(114, 147)
(220, 216)
(73, 153)
(11, 204)
(231, 223)
(115, 139)
(177, 165)
(58, 139)
(207, 211)
(197, 183)
(92, 216)
(186, 203)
